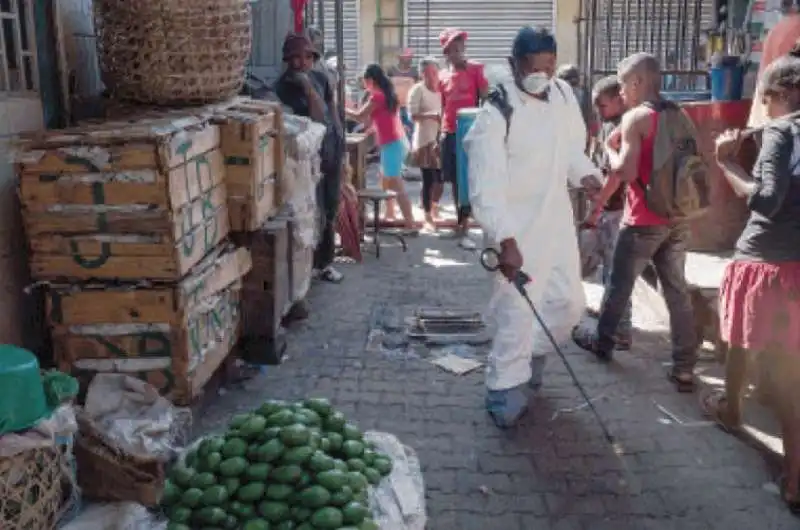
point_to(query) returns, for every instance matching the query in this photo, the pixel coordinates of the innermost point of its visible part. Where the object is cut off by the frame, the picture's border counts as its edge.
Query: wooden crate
(174, 337)
(266, 289)
(122, 200)
(251, 136)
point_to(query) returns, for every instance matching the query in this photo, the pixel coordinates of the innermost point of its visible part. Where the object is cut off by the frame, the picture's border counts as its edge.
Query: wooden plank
(40, 191)
(134, 219)
(133, 190)
(57, 268)
(159, 144)
(158, 372)
(105, 305)
(91, 246)
(94, 257)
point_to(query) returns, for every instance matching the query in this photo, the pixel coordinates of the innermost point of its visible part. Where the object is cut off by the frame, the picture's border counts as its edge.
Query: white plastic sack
(116, 516)
(398, 502)
(132, 414)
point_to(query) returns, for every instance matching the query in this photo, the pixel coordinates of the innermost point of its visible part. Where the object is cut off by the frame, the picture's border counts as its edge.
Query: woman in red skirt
(760, 294)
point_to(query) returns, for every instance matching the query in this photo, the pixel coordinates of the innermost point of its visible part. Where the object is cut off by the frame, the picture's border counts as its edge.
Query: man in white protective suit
(527, 142)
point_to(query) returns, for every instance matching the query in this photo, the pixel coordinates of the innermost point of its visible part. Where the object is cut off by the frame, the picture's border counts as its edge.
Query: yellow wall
(566, 29)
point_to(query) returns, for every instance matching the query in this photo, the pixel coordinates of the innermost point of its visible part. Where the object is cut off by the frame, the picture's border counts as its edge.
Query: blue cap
(530, 40)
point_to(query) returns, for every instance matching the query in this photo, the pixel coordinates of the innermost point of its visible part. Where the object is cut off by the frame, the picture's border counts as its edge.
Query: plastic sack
(398, 502)
(133, 416)
(116, 516)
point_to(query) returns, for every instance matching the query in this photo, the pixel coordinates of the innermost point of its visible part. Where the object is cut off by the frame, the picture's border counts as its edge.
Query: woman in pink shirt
(383, 110)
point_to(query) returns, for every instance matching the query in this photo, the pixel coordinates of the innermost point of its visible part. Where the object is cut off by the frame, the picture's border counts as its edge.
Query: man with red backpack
(655, 152)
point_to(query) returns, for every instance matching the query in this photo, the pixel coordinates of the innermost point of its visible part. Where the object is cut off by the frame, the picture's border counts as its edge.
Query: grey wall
(272, 20)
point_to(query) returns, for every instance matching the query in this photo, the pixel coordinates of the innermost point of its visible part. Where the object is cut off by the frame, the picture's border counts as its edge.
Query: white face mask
(536, 83)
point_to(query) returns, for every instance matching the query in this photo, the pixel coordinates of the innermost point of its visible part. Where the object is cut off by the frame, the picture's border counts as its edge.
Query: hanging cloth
(298, 6)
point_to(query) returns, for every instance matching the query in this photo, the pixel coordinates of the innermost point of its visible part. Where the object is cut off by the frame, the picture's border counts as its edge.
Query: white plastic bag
(398, 502)
(116, 516)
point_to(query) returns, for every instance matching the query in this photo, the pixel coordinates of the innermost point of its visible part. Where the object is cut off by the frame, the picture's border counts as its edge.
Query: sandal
(792, 503)
(331, 275)
(713, 405)
(585, 340)
(683, 381)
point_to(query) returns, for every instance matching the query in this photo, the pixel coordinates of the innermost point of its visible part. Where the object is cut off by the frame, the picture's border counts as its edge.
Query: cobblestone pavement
(556, 470)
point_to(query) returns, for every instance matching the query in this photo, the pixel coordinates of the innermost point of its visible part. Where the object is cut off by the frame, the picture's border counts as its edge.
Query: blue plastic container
(727, 81)
(464, 120)
(686, 96)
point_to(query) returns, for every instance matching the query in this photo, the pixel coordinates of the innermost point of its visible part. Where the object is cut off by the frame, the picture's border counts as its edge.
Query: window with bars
(18, 68)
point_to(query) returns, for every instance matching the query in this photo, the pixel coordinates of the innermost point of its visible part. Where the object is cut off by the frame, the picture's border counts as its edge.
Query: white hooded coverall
(518, 189)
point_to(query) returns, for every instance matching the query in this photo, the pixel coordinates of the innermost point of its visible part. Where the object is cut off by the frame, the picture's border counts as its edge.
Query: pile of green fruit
(285, 466)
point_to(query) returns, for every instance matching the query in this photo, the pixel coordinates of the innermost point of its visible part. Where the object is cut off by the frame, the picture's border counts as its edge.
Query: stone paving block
(555, 471)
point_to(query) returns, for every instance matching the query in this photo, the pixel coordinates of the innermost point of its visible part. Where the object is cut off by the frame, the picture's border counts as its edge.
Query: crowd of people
(654, 180)
(645, 177)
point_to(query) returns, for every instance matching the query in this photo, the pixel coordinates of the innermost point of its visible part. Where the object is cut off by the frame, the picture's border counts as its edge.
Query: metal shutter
(491, 24)
(350, 9)
(669, 29)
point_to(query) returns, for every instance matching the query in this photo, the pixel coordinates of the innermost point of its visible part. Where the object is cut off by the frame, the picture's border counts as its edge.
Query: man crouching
(525, 139)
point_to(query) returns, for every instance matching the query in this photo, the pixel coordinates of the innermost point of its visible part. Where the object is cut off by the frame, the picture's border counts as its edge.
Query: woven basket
(31, 489)
(173, 52)
(107, 473)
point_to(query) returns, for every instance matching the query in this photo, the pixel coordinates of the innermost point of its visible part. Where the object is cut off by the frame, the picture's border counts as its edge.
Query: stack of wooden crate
(127, 222)
(258, 188)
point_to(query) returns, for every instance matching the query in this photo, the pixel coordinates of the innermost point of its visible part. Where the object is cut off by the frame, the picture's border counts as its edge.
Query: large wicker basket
(173, 52)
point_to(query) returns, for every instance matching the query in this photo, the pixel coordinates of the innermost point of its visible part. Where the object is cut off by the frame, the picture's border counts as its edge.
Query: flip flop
(711, 404)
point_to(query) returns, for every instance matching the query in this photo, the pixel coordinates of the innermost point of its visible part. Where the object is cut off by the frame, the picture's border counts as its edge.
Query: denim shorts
(392, 156)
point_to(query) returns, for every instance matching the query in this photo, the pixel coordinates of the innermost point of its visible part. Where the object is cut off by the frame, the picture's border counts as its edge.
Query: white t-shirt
(421, 100)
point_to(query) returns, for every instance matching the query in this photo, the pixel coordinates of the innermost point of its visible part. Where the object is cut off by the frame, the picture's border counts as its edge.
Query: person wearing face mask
(518, 175)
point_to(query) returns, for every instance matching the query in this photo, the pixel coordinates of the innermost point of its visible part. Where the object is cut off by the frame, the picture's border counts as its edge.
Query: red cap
(447, 36)
(408, 52)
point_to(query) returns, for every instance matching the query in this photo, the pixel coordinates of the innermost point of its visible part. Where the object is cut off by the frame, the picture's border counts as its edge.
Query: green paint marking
(183, 149)
(74, 160)
(98, 198)
(161, 348)
(237, 161)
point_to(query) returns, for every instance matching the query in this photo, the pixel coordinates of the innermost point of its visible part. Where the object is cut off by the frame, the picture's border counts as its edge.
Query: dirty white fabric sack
(132, 414)
(398, 502)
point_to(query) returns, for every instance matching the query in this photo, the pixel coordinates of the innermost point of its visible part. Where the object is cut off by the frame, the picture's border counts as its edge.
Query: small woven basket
(173, 52)
(31, 489)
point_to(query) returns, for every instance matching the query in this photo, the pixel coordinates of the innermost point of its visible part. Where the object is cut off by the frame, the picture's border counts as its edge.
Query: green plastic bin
(22, 399)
